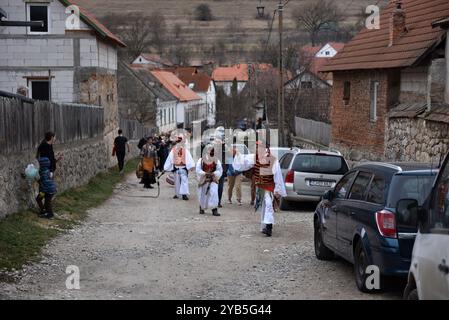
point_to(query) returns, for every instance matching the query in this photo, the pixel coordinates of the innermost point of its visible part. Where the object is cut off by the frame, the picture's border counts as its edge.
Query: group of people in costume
(264, 166)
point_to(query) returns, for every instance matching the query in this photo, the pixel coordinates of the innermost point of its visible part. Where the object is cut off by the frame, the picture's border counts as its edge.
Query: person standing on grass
(47, 189)
(45, 150)
(120, 146)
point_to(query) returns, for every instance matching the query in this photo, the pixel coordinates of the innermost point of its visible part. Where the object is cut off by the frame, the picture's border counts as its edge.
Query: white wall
(168, 126)
(227, 86)
(61, 83)
(326, 49)
(17, 10)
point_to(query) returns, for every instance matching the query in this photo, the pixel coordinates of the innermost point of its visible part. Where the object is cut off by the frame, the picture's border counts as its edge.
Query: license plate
(314, 183)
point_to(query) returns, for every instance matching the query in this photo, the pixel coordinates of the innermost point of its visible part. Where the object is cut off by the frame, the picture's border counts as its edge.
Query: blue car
(358, 220)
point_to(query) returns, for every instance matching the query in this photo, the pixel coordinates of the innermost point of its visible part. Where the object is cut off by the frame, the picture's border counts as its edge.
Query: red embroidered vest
(263, 175)
(209, 167)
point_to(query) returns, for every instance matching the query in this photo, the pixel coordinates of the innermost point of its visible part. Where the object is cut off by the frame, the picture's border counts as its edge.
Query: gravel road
(141, 248)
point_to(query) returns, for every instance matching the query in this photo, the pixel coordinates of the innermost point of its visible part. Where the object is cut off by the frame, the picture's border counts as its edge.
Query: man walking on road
(180, 162)
(120, 146)
(208, 171)
(268, 179)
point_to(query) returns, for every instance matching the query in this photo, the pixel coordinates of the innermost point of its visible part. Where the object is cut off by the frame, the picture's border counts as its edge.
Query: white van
(429, 271)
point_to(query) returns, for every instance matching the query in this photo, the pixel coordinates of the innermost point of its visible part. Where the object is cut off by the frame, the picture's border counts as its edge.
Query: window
(347, 91)
(377, 190)
(343, 186)
(360, 186)
(306, 84)
(320, 163)
(374, 95)
(439, 215)
(165, 116)
(40, 90)
(285, 161)
(328, 53)
(39, 12)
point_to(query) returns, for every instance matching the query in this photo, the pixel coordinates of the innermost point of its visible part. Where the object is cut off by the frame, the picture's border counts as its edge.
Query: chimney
(397, 23)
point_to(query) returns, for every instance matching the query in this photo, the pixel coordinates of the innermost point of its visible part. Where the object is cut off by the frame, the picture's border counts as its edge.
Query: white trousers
(208, 199)
(181, 182)
(267, 210)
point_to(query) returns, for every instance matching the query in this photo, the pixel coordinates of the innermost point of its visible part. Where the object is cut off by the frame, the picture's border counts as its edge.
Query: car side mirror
(409, 213)
(328, 195)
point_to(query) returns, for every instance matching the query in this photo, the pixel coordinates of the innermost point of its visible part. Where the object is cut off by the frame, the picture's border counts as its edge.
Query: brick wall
(352, 131)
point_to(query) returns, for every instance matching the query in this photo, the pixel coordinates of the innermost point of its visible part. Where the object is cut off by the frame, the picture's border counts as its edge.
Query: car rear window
(320, 163)
(409, 187)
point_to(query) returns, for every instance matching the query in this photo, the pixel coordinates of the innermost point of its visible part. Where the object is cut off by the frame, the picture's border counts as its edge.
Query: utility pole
(281, 78)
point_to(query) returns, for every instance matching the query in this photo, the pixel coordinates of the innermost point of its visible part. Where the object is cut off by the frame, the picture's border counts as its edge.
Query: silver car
(308, 174)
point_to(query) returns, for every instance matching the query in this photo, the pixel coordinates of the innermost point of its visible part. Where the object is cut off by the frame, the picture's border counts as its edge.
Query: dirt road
(141, 248)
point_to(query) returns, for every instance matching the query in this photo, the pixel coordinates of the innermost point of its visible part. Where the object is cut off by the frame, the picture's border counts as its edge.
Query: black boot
(268, 230)
(175, 197)
(184, 197)
(215, 212)
(202, 211)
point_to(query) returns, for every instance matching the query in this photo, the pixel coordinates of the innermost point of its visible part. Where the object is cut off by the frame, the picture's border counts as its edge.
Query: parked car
(309, 173)
(429, 271)
(358, 220)
(279, 152)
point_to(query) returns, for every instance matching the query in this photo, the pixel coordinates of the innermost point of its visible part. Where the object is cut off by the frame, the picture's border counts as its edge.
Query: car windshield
(320, 163)
(410, 187)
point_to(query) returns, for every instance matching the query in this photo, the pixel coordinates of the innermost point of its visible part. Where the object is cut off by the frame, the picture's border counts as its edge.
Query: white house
(202, 85)
(152, 60)
(224, 77)
(71, 58)
(190, 107)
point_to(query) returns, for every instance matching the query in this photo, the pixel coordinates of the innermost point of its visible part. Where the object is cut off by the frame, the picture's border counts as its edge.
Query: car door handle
(443, 267)
(352, 213)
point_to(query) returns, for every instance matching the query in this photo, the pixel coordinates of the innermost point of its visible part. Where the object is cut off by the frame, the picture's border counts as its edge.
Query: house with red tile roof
(72, 57)
(316, 57)
(201, 84)
(224, 77)
(190, 107)
(390, 98)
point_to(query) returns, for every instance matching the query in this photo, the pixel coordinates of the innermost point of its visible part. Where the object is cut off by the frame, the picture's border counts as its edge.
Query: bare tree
(139, 32)
(315, 16)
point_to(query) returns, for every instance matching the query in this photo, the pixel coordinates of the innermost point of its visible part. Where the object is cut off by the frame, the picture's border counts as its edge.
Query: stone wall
(416, 139)
(82, 161)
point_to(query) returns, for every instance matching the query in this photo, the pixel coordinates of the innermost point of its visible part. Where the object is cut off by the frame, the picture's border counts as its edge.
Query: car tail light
(386, 222)
(290, 177)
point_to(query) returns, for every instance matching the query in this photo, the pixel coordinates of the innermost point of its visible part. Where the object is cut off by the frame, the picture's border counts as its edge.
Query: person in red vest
(268, 180)
(208, 171)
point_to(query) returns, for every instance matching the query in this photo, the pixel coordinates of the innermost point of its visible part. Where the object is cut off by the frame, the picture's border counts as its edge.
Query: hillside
(235, 23)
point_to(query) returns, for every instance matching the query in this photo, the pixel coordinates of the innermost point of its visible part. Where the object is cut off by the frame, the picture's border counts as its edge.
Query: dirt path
(141, 248)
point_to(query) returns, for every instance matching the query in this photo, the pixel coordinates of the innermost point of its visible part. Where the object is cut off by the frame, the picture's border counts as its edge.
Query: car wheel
(321, 251)
(361, 262)
(413, 295)
(284, 205)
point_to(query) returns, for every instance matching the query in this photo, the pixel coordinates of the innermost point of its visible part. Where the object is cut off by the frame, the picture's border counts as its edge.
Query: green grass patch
(24, 234)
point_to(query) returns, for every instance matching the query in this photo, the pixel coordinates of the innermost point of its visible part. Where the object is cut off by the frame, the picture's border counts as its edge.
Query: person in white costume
(269, 182)
(208, 171)
(180, 162)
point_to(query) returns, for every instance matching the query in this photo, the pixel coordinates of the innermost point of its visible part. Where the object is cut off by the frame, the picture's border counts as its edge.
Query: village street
(142, 248)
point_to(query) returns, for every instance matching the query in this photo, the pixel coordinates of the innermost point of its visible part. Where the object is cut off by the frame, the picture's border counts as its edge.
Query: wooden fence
(134, 130)
(318, 132)
(23, 122)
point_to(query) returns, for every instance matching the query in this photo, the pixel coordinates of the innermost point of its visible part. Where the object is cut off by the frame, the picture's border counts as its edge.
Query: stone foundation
(82, 161)
(416, 140)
